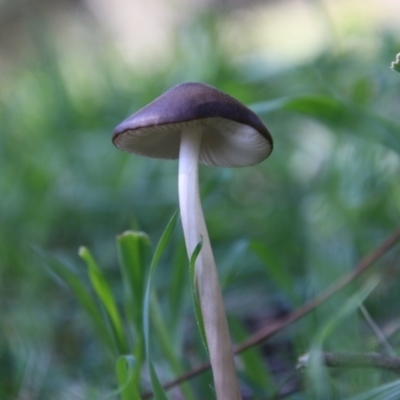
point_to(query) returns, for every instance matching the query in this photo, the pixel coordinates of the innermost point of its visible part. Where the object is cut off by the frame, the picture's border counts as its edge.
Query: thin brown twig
(276, 326)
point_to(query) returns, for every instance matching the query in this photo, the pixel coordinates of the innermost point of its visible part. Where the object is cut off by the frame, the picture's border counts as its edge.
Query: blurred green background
(317, 72)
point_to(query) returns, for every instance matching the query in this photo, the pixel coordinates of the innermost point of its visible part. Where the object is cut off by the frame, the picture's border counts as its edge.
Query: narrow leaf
(254, 368)
(133, 249)
(335, 112)
(389, 391)
(164, 240)
(166, 344)
(106, 298)
(84, 298)
(158, 390)
(125, 369)
(176, 291)
(274, 268)
(348, 308)
(165, 237)
(195, 295)
(318, 375)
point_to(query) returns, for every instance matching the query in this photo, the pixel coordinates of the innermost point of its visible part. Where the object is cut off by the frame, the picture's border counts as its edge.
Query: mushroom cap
(233, 135)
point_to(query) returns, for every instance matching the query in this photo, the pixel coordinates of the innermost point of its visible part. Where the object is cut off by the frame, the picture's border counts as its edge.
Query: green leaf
(84, 298)
(321, 107)
(176, 290)
(164, 339)
(165, 237)
(274, 268)
(164, 240)
(336, 113)
(254, 368)
(125, 370)
(318, 377)
(106, 298)
(195, 296)
(133, 250)
(348, 308)
(158, 390)
(164, 334)
(389, 391)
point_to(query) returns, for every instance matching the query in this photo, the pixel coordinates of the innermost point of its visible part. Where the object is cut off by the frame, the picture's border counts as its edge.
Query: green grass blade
(106, 298)
(350, 306)
(84, 298)
(318, 376)
(389, 391)
(158, 390)
(133, 250)
(166, 344)
(177, 290)
(255, 371)
(195, 296)
(339, 113)
(125, 370)
(274, 269)
(164, 240)
(327, 109)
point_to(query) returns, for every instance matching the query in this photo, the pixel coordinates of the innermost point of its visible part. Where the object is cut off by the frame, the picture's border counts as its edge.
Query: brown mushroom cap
(233, 135)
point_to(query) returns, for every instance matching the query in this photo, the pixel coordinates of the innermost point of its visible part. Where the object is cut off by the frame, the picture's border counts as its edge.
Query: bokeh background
(318, 73)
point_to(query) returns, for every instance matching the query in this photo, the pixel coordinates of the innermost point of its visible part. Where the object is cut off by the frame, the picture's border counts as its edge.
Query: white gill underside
(224, 143)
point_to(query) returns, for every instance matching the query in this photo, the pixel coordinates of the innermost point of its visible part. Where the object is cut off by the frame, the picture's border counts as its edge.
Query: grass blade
(125, 369)
(106, 298)
(158, 390)
(336, 112)
(176, 292)
(255, 371)
(166, 344)
(350, 306)
(133, 250)
(274, 268)
(195, 295)
(84, 298)
(389, 391)
(318, 376)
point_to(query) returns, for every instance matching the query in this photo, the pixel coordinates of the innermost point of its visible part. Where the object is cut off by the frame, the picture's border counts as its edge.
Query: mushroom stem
(210, 296)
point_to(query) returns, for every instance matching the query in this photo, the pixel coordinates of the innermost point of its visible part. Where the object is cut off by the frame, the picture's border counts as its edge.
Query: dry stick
(269, 330)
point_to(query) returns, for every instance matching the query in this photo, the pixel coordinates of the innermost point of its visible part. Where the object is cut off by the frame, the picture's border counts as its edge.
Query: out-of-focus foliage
(282, 231)
(396, 64)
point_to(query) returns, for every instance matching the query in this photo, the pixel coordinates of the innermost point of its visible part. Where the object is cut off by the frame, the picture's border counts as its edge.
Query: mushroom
(197, 123)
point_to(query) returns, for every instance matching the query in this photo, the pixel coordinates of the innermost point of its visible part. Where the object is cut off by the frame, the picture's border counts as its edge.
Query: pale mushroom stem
(210, 296)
